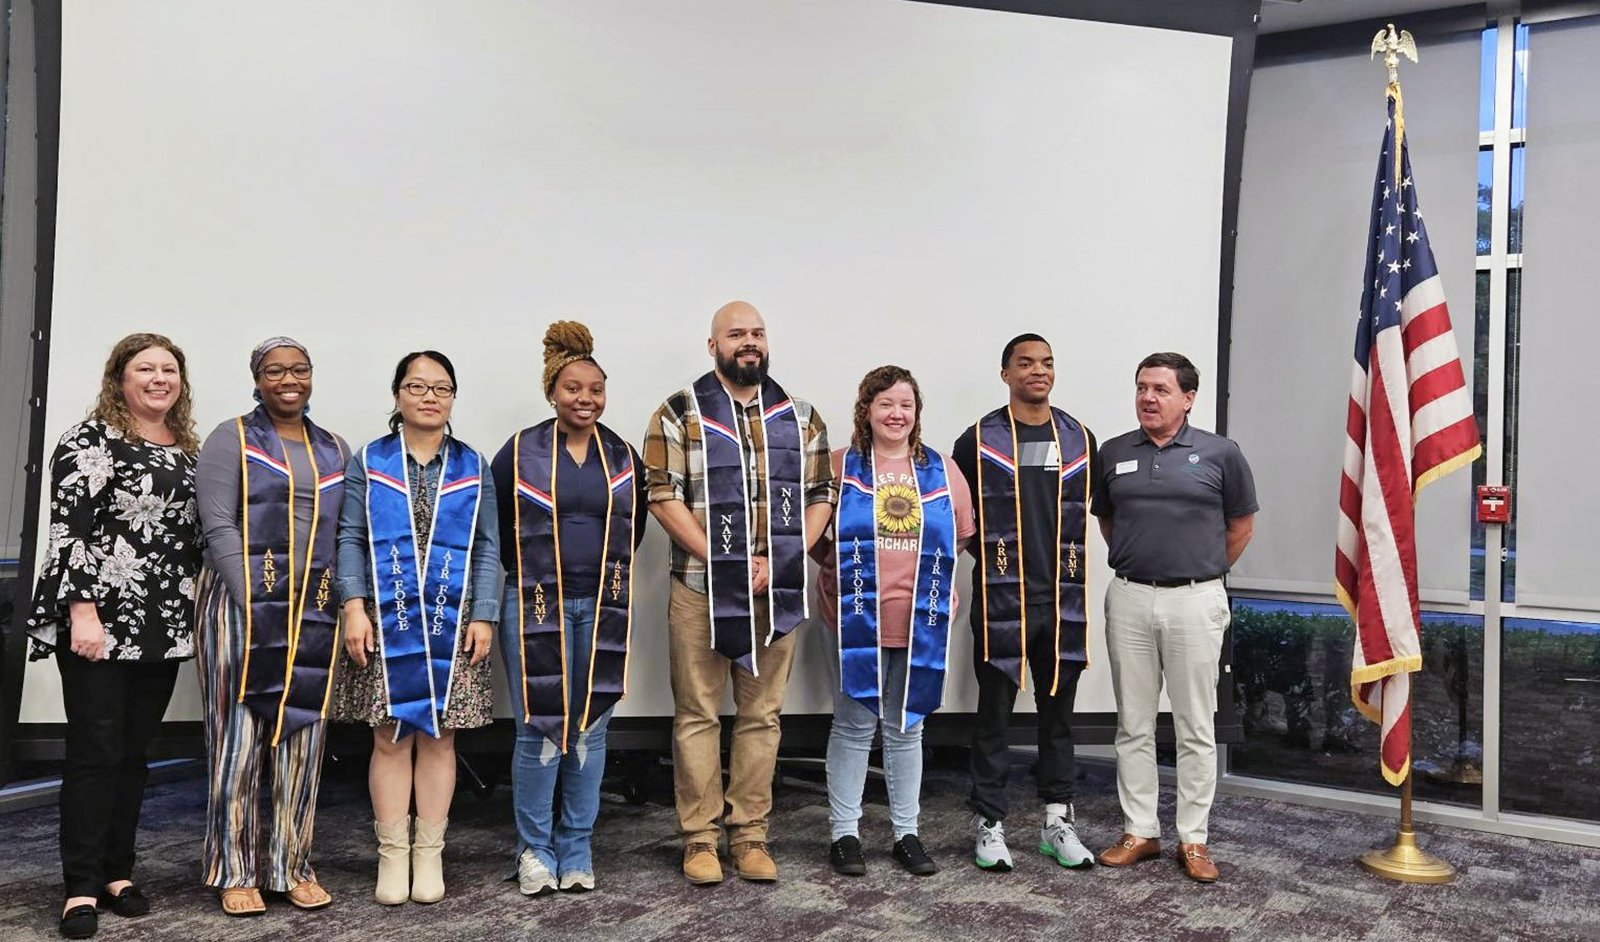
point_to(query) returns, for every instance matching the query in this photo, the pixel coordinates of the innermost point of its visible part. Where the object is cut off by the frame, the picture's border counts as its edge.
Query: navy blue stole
(291, 618)
(419, 610)
(541, 593)
(729, 530)
(860, 656)
(1002, 607)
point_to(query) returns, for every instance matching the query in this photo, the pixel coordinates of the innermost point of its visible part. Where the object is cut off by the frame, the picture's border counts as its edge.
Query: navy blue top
(582, 489)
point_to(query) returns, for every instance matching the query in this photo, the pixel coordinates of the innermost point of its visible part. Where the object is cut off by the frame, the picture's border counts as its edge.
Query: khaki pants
(699, 677)
(1174, 634)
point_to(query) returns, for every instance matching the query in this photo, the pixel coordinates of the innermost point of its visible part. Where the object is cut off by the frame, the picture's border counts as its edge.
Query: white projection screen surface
(888, 181)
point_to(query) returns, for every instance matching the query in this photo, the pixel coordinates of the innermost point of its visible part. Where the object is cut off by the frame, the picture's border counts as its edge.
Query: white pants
(1175, 634)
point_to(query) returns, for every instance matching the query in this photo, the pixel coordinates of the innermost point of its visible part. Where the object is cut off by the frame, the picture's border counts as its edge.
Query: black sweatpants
(997, 698)
(113, 711)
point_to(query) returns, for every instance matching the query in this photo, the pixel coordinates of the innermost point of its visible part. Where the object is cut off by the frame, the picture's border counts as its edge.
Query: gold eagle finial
(1393, 44)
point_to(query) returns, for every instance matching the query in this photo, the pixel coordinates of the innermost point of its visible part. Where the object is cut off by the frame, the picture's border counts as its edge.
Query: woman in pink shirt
(887, 590)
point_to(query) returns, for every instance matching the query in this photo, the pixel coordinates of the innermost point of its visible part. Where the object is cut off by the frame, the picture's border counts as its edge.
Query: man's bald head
(738, 343)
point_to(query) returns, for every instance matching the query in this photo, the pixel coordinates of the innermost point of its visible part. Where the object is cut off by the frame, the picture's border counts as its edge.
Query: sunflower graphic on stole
(899, 509)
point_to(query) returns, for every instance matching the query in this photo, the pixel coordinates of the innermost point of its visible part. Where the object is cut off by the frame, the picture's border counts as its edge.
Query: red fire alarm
(1494, 504)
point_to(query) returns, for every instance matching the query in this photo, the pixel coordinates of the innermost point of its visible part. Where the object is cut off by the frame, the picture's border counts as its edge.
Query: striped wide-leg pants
(239, 745)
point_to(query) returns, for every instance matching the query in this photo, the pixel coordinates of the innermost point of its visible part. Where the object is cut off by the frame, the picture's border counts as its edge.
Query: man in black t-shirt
(1030, 468)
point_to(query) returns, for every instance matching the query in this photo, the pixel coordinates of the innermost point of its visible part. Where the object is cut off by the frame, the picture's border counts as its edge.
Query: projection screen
(888, 181)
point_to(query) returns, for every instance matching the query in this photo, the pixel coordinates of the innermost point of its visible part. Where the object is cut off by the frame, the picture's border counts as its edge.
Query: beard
(739, 374)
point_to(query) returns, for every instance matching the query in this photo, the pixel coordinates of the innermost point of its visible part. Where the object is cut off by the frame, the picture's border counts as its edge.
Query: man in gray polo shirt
(1176, 506)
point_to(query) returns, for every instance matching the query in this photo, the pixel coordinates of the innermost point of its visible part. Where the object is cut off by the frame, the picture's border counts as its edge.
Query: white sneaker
(533, 878)
(991, 852)
(577, 881)
(1058, 840)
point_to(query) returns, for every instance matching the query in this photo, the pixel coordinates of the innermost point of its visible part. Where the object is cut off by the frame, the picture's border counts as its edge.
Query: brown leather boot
(1131, 850)
(701, 865)
(1196, 863)
(753, 861)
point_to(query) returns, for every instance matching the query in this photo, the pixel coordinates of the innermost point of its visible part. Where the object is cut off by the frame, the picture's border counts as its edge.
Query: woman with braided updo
(888, 590)
(571, 513)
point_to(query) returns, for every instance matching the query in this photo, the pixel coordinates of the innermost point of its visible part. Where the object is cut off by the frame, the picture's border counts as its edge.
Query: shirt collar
(1182, 438)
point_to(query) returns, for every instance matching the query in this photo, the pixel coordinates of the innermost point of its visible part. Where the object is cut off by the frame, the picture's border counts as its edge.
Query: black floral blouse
(124, 534)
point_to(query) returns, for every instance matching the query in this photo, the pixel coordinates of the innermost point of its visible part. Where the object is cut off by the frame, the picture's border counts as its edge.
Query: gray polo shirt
(1169, 506)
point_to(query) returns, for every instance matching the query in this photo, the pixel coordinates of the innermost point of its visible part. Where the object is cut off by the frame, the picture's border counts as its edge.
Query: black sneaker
(908, 850)
(846, 858)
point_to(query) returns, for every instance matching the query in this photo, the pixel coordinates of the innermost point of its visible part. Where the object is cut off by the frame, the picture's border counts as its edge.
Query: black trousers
(113, 711)
(997, 698)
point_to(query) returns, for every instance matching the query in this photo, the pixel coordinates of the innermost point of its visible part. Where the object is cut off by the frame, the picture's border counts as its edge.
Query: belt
(1169, 583)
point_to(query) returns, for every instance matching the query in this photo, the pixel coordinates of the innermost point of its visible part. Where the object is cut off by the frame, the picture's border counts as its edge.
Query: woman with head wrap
(270, 483)
(572, 513)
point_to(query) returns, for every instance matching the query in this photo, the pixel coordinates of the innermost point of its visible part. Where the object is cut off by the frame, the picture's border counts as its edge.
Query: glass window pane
(1485, 196)
(1480, 411)
(1291, 672)
(1550, 696)
(1519, 79)
(1491, 38)
(1518, 178)
(1508, 553)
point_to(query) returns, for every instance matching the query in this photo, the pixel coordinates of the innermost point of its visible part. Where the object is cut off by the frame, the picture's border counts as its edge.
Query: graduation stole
(1002, 589)
(729, 529)
(860, 657)
(419, 612)
(291, 618)
(541, 594)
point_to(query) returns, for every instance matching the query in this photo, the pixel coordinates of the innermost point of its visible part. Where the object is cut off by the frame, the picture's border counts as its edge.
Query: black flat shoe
(846, 857)
(909, 852)
(80, 922)
(128, 901)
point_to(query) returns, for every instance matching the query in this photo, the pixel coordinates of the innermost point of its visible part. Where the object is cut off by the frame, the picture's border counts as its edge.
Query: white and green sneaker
(1058, 840)
(991, 852)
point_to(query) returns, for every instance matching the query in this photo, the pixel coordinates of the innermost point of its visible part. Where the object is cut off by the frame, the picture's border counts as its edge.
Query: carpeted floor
(1287, 874)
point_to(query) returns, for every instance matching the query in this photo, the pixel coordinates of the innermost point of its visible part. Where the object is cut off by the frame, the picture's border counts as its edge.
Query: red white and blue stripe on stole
(712, 425)
(849, 480)
(622, 479)
(998, 458)
(395, 484)
(786, 405)
(252, 453)
(1073, 467)
(935, 494)
(460, 484)
(331, 480)
(545, 501)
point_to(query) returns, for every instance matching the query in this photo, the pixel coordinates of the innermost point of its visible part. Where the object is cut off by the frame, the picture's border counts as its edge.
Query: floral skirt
(359, 695)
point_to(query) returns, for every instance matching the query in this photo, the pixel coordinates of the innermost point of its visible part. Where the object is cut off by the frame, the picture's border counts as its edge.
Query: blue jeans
(850, 742)
(538, 765)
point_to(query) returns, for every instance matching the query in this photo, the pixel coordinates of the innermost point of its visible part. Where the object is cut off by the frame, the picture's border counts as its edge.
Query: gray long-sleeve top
(355, 564)
(217, 487)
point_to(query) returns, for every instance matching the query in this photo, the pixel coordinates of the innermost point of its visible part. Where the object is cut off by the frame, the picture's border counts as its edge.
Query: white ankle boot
(394, 861)
(427, 862)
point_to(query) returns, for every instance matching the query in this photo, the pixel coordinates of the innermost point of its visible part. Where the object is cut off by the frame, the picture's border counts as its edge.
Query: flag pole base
(1407, 863)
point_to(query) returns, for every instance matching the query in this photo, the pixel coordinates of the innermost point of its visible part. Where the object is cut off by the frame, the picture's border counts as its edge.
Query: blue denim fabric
(537, 765)
(850, 742)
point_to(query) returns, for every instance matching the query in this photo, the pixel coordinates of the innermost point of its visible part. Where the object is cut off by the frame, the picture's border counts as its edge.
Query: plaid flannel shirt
(676, 472)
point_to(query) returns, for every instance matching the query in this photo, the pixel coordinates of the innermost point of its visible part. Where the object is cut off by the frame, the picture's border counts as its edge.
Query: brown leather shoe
(1196, 864)
(752, 861)
(701, 865)
(1131, 850)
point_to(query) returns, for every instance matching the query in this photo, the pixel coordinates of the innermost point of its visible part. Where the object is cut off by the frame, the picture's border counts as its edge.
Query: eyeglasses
(277, 372)
(442, 390)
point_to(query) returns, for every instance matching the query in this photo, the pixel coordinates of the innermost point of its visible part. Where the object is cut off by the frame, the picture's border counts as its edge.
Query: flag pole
(1404, 861)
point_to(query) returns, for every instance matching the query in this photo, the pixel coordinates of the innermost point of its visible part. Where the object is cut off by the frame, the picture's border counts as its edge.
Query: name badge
(1127, 467)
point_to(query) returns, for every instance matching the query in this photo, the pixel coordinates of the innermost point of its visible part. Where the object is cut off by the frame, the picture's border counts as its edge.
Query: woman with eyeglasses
(269, 484)
(419, 558)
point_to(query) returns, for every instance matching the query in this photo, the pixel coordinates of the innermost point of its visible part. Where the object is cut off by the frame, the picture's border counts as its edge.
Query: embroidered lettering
(788, 506)
(1000, 561)
(324, 589)
(1072, 560)
(539, 608)
(616, 580)
(442, 597)
(857, 582)
(933, 586)
(269, 572)
(727, 533)
(401, 621)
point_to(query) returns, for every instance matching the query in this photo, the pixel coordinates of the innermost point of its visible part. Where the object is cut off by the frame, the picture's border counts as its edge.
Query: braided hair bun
(565, 342)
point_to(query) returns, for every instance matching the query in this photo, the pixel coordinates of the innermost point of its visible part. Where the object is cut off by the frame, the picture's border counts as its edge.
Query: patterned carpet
(1287, 874)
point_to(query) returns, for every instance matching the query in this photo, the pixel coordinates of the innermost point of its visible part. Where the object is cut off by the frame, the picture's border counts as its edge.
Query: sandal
(243, 901)
(308, 895)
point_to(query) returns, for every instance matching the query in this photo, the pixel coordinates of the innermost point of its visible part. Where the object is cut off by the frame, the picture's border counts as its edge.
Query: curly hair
(874, 383)
(112, 408)
(565, 343)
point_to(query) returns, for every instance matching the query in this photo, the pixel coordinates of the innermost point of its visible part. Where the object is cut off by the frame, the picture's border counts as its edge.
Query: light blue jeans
(537, 766)
(850, 742)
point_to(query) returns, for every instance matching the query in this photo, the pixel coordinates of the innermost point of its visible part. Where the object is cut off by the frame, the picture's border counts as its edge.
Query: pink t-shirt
(899, 514)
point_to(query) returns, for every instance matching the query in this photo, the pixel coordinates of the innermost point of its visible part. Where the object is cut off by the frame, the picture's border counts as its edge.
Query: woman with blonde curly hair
(115, 605)
(887, 589)
(571, 512)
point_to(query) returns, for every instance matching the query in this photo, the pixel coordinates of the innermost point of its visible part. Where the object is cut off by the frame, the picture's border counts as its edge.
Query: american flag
(1410, 423)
